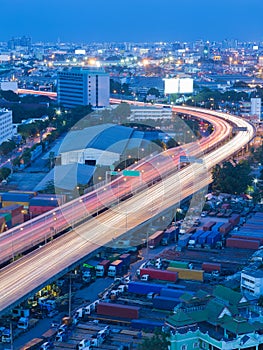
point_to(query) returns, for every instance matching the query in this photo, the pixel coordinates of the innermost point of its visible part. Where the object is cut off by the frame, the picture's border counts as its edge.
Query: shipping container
(126, 258)
(155, 239)
(183, 240)
(165, 303)
(209, 267)
(203, 238)
(208, 226)
(249, 236)
(234, 219)
(186, 274)
(118, 310)
(242, 243)
(6, 216)
(146, 324)
(41, 202)
(35, 211)
(217, 226)
(2, 224)
(116, 268)
(17, 219)
(144, 288)
(180, 264)
(173, 293)
(16, 197)
(162, 275)
(8, 203)
(194, 237)
(225, 228)
(14, 209)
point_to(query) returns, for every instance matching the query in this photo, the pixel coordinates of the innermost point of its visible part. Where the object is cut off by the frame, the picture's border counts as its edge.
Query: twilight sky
(132, 20)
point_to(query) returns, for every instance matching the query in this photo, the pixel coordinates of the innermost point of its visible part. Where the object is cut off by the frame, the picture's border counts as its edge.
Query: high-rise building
(256, 107)
(83, 86)
(6, 125)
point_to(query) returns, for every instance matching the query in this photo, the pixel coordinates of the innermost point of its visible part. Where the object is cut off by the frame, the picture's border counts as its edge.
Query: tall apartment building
(256, 107)
(6, 125)
(83, 86)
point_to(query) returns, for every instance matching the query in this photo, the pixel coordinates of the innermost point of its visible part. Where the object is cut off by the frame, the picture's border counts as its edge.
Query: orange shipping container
(187, 274)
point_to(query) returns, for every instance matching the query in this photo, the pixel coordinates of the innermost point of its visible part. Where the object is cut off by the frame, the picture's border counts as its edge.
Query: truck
(115, 268)
(126, 258)
(155, 239)
(18, 312)
(210, 267)
(201, 241)
(26, 323)
(102, 268)
(193, 240)
(118, 310)
(162, 275)
(184, 240)
(213, 239)
(33, 344)
(86, 276)
(49, 335)
(186, 274)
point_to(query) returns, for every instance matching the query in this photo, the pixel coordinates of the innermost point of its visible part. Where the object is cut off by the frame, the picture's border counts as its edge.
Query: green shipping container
(179, 264)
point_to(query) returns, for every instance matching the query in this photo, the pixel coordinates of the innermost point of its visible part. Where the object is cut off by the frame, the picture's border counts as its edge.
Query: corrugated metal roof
(68, 176)
(113, 139)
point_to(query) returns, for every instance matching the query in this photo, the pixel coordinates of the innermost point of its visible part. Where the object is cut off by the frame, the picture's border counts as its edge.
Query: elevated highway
(28, 274)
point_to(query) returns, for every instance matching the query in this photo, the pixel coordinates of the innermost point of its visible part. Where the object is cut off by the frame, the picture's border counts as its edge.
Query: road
(37, 267)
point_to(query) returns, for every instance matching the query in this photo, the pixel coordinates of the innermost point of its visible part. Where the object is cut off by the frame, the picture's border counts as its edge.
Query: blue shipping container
(173, 293)
(144, 288)
(165, 303)
(145, 324)
(203, 237)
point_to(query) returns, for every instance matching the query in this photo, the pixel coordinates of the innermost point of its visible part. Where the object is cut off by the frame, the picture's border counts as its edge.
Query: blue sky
(132, 20)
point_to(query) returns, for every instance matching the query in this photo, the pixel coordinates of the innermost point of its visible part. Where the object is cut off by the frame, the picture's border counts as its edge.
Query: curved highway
(27, 274)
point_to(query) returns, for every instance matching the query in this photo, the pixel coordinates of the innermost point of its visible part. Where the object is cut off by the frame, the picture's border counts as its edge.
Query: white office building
(256, 107)
(155, 113)
(252, 282)
(83, 86)
(6, 125)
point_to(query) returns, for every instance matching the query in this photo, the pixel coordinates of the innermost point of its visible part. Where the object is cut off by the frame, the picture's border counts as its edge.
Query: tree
(153, 91)
(4, 173)
(122, 112)
(7, 147)
(158, 341)
(231, 178)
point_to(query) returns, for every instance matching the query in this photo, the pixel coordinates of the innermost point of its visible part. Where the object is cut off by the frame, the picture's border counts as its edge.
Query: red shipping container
(38, 210)
(162, 275)
(18, 219)
(118, 310)
(209, 267)
(234, 219)
(14, 209)
(242, 243)
(208, 226)
(226, 228)
(248, 237)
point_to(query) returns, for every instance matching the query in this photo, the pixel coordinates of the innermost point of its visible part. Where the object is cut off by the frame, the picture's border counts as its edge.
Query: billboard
(178, 85)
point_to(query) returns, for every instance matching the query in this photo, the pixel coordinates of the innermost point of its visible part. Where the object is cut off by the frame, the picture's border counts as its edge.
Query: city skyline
(149, 21)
